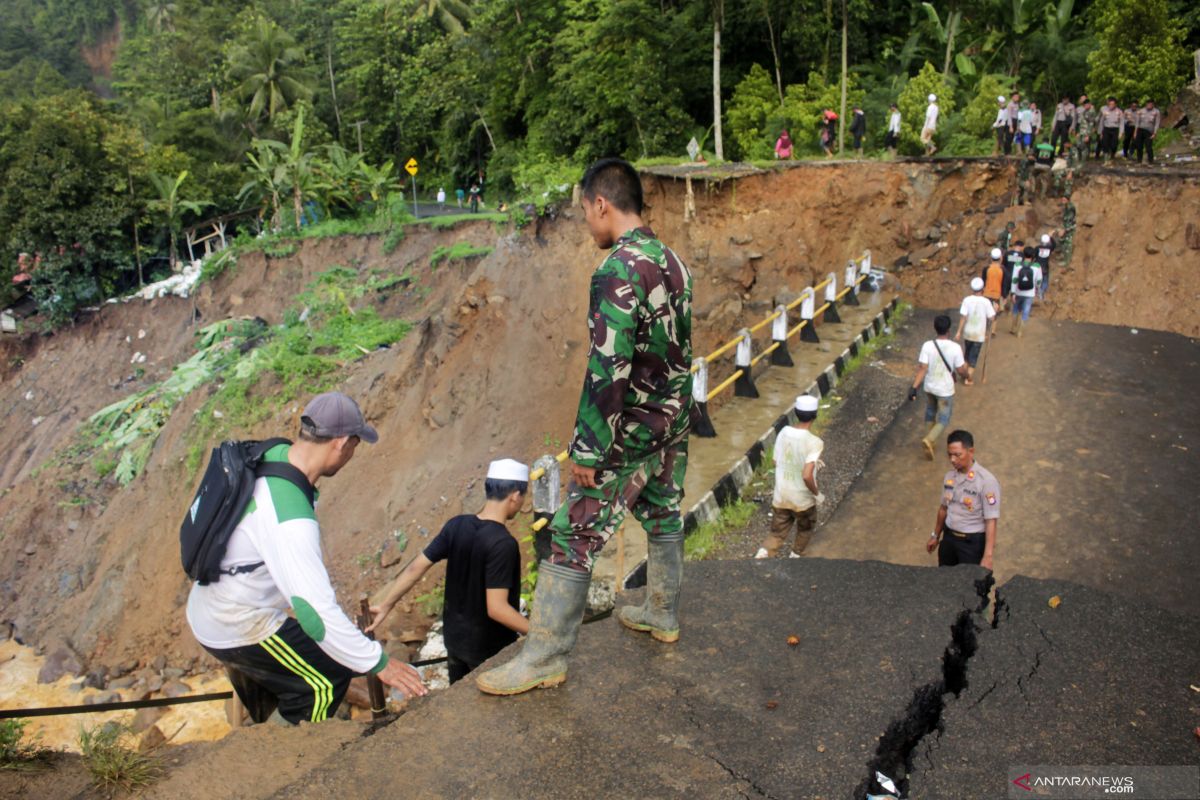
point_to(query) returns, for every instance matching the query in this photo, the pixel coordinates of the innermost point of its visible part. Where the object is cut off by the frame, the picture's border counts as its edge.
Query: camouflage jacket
(1068, 219)
(637, 393)
(1085, 123)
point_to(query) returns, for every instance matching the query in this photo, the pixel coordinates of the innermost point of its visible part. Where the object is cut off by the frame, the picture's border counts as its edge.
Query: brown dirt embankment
(491, 368)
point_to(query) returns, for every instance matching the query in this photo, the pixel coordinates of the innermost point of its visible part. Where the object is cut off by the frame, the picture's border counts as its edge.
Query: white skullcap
(977, 284)
(507, 469)
(1045, 238)
(996, 254)
(1000, 99)
(806, 402)
(932, 97)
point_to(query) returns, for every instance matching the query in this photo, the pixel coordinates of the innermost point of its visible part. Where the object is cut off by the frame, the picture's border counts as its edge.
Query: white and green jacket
(280, 531)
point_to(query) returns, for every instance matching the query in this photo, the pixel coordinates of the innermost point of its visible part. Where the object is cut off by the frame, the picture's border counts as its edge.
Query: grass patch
(450, 221)
(459, 251)
(707, 537)
(113, 762)
(432, 602)
(19, 753)
(320, 335)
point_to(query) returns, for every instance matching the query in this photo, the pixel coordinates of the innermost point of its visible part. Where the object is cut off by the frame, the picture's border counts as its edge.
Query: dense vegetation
(123, 121)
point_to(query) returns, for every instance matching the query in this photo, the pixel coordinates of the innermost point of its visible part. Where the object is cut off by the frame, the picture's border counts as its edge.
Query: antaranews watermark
(1088, 782)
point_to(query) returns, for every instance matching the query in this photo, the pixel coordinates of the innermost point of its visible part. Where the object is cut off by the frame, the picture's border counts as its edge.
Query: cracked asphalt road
(731, 711)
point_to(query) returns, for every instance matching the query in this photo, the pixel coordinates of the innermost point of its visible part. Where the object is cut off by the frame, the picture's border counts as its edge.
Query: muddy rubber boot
(664, 573)
(553, 628)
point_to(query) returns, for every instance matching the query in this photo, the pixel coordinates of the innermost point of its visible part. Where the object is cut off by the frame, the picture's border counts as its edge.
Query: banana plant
(172, 207)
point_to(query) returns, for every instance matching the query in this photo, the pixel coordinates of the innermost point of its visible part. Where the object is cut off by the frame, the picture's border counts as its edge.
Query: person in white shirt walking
(940, 364)
(1027, 277)
(272, 618)
(893, 131)
(797, 456)
(1000, 126)
(973, 317)
(930, 127)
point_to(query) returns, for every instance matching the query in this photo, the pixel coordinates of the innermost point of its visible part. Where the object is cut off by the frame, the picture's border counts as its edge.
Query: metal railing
(545, 474)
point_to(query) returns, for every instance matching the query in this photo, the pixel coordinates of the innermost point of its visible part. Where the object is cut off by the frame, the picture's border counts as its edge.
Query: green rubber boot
(553, 628)
(658, 615)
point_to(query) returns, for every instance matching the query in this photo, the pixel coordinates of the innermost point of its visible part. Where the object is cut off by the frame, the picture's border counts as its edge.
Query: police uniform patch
(950, 483)
(968, 502)
(971, 475)
(991, 499)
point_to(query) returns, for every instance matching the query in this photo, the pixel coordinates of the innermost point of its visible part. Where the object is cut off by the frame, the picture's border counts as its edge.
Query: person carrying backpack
(285, 667)
(1027, 277)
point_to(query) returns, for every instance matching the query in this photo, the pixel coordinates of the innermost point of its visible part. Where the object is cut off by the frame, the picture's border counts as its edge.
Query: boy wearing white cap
(797, 454)
(483, 574)
(993, 280)
(1043, 258)
(973, 319)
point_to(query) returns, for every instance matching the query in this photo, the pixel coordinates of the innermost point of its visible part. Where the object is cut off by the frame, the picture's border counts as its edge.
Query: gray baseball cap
(334, 415)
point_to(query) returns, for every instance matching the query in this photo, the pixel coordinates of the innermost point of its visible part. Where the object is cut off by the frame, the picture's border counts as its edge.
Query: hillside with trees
(124, 121)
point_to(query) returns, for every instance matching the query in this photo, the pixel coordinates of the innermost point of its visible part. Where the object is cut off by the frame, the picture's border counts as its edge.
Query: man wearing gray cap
(483, 574)
(291, 667)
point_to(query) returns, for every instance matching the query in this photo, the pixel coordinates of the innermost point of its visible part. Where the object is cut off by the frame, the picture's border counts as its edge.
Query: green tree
(913, 101)
(270, 68)
(1139, 61)
(160, 15)
(452, 16)
(170, 208)
(755, 101)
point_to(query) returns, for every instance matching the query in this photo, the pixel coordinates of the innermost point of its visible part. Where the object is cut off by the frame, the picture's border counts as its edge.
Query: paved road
(1092, 432)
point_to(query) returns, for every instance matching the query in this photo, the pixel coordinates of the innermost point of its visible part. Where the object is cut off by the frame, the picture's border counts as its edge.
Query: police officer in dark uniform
(965, 532)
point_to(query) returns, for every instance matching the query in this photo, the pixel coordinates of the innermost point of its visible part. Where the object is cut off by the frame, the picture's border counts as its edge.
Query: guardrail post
(703, 426)
(831, 313)
(744, 385)
(780, 356)
(809, 332)
(865, 270)
(545, 502)
(851, 298)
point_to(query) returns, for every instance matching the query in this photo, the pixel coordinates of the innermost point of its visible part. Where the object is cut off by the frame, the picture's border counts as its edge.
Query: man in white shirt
(1027, 277)
(797, 456)
(893, 130)
(1000, 126)
(930, 127)
(973, 319)
(940, 363)
(295, 667)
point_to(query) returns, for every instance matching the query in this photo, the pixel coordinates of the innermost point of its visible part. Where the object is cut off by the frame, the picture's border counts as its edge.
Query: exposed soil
(491, 368)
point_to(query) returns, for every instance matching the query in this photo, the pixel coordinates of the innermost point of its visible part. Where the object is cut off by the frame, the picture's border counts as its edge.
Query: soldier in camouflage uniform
(629, 451)
(1024, 169)
(1068, 230)
(1085, 130)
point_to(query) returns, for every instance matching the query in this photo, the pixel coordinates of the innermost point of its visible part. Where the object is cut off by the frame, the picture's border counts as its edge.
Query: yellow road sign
(411, 166)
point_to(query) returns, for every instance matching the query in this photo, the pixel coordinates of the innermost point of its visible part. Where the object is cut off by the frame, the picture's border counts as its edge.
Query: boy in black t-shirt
(483, 574)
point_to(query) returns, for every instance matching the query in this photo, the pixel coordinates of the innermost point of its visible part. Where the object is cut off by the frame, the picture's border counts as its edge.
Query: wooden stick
(620, 556)
(374, 685)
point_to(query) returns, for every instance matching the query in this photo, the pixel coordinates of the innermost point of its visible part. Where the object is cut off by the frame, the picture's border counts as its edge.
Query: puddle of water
(19, 688)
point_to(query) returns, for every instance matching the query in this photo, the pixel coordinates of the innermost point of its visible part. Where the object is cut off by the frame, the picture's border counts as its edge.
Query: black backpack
(221, 501)
(1025, 278)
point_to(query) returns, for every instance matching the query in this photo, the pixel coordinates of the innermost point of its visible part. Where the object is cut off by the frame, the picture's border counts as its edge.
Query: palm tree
(452, 16)
(718, 9)
(172, 207)
(270, 68)
(268, 178)
(161, 15)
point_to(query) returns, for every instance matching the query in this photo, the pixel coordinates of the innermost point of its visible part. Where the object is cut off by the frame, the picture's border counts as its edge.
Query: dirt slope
(492, 367)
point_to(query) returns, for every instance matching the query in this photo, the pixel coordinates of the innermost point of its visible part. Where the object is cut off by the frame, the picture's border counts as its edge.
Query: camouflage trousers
(652, 488)
(1068, 246)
